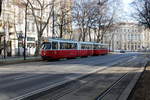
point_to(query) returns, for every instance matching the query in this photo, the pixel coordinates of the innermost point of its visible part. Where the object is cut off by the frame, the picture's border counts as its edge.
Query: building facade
(128, 36)
(12, 26)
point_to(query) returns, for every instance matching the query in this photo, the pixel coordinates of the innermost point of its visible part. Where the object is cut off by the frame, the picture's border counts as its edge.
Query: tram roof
(86, 42)
(61, 40)
(99, 43)
(72, 41)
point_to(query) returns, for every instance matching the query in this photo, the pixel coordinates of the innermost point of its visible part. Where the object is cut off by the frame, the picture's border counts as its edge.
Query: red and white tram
(58, 49)
(100, 49)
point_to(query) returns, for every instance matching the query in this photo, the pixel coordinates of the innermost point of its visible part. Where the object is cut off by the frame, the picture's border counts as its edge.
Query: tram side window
(63, 45)
(74, 46)
(68, 46)
(87, 46)
(54, 45)
(103, 47)
(83, 46)
(96, 47)
(90, 46)
(99, 47)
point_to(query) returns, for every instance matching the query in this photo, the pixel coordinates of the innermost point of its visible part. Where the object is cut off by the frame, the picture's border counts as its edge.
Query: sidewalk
(15, 60)
(141, 89)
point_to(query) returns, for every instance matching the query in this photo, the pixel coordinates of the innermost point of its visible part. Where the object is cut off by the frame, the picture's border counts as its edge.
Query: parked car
(122, 51)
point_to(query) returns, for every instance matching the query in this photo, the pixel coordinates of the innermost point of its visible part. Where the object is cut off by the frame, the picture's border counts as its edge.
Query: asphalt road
(21, 80)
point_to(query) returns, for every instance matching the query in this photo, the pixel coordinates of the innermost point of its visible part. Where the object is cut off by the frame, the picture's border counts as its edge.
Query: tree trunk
(90, 39)
(61, 31)
(84, 35)
(98, 36)
(38, 45)
(80, 34)
(0, 7)
(83, 38)
(80, 37)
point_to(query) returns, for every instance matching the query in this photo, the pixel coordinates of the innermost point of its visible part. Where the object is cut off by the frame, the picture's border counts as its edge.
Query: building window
(30, 39)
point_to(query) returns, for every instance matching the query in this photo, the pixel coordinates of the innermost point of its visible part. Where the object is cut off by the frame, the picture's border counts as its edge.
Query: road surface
(19, 81)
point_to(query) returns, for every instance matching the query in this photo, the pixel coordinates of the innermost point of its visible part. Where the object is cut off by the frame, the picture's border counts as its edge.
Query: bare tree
(63, 19)
(95, 16)
(39, 9)
(80, 13)
(105, 18)
(91, 19)
(143, 12)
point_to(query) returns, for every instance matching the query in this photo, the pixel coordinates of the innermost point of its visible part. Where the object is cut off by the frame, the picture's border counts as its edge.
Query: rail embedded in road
(50, 75)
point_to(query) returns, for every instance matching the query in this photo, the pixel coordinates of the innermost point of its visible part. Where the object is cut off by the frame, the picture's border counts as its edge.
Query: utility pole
(0, 7)
(25, 37)
(53, 19)
(4, 46)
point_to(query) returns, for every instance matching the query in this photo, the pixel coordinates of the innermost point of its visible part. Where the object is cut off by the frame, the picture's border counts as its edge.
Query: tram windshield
(46, 46)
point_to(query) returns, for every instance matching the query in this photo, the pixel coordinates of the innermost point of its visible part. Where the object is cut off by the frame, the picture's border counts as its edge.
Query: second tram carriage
(58, 49)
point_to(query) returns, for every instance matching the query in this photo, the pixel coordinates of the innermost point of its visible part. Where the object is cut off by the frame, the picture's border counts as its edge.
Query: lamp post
(4, 47)
(25, 34)
(0, 7)
(53, 14)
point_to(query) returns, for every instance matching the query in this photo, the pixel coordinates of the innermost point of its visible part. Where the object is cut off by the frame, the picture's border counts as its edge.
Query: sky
(127, 6)
(128, 10)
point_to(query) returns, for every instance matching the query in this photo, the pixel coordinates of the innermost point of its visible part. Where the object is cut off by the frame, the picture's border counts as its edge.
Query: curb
(2, 63)
(126, 93)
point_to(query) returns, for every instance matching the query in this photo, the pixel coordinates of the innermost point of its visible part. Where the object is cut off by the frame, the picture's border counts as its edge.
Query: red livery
(58, 49)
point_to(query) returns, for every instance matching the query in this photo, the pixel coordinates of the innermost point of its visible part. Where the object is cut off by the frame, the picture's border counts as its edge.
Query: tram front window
(46, 46)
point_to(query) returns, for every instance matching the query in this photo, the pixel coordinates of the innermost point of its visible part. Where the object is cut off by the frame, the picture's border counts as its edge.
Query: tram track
(22, 76)
(103, 96)
(100, 97)
(75, 84)
(26, 92)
